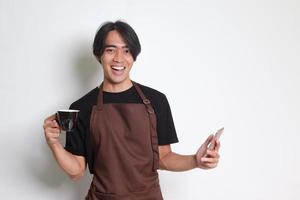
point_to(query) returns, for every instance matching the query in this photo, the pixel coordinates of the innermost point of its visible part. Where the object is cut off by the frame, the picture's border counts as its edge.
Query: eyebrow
(114, 46)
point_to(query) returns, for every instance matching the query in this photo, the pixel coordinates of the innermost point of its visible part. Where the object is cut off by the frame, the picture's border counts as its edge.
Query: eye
(109, 50)
(126, 51)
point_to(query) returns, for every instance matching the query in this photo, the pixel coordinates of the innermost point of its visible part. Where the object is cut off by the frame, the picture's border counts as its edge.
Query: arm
(171, 161)
(73, 165)
(204, 158)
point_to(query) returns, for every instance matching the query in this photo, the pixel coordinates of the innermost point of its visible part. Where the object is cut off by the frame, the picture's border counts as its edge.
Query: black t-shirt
(77, 141)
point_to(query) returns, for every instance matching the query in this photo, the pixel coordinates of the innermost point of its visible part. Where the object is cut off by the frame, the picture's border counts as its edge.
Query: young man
(124, 129)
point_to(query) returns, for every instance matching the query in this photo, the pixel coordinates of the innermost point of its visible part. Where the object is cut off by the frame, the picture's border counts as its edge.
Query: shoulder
(157, 99)
(87, 101)
(152, 93)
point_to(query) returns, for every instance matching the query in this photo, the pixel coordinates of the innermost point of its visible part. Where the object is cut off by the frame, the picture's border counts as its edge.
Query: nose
(118, 57)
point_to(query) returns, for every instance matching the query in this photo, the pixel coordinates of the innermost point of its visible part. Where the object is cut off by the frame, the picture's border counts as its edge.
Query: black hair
(125, 30)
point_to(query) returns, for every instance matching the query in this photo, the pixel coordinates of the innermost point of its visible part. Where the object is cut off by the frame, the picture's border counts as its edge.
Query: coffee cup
(67, 119)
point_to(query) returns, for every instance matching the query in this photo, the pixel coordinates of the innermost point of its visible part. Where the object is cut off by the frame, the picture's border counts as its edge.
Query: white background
(221, 63)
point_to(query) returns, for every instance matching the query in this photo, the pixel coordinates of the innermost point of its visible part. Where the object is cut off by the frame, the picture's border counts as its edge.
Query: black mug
(67, 119)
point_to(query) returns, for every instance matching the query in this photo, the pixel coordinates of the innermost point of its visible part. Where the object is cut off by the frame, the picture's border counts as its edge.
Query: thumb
(51, 118)
(202, 150)
(208, 140)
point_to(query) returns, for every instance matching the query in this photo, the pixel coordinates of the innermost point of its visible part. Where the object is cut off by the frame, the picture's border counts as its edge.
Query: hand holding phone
(216, 137)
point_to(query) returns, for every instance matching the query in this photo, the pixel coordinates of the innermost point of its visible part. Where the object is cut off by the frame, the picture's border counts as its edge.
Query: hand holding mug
(51, 130)
(65, 120)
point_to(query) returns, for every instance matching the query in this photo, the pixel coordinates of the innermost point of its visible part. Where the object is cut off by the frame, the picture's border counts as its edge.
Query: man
(124, 129)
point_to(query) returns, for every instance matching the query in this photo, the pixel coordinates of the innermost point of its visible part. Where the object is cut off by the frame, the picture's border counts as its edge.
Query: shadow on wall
(86, 72)
(87, 69)
(48, 176)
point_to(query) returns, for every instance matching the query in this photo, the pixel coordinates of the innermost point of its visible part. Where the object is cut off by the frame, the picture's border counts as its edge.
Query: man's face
(116, 59)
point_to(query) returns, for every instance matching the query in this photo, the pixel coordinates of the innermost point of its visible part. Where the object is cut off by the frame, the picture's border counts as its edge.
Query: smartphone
(217, 137)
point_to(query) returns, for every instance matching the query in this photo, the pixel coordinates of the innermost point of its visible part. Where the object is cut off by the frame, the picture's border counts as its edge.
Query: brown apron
(124, 142)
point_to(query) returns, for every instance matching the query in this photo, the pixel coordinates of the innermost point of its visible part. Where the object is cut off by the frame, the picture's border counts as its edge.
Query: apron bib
(124, 142)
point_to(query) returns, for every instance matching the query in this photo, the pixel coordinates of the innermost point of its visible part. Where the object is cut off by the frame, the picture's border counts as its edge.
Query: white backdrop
(220, 63)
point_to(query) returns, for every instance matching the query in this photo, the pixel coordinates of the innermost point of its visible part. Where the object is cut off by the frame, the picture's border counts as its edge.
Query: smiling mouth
(118, 68)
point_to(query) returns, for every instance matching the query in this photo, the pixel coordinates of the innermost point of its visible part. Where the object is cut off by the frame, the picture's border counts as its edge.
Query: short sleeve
(75, 140)
(165, 126)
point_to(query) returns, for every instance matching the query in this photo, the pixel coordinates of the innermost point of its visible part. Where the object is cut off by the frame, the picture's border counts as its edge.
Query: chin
(118, 80)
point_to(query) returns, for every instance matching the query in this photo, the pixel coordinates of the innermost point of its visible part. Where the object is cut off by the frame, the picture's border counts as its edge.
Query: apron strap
(143, 97)
(153, 130)
(100, 97)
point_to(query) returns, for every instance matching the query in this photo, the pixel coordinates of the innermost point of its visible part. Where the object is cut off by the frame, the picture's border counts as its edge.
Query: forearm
(176, 162)
(67, 161)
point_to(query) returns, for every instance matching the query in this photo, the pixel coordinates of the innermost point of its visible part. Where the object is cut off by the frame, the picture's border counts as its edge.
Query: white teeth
(118, 68)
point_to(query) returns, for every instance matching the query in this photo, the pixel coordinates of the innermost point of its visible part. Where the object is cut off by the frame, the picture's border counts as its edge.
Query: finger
(208, 140)
(50, 118)
(52, 130)
(210, 166)
(55, 124)
(212, 154)
(212, 144)
(48, 131)
(52, 140)
(52, 124)
(53, 134)
(209, 160)
(204, 167)
(218, 145)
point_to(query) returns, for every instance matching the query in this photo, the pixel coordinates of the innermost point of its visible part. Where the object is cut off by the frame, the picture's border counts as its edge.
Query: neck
(116, 87)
